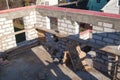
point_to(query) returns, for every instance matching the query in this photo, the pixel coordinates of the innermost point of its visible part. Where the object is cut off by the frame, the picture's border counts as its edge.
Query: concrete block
(93, 40)
(109, 30)
(8, 21)
(8, 40)
(1, 34)
(97, 37)
(2, 31)
(61, 28)
(0, 27)
(108, 25)
(100, 42)
(9, 29)
(71, 26)
(94, 31)
(32, 16)
(4, 45)
(10, 46)
(1, 23)
(6, 26)
(26, 17)
(108, 40)
(100, 23)
(68, 21)
(105, 57)
(11, 42)
(97, 28)
(113, 36)
(2, 19)
(63, 24)
(60, 20)
(101, 33)
(8, 32)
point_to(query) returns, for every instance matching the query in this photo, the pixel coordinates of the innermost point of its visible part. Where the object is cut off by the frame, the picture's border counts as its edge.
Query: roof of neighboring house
(110, 4)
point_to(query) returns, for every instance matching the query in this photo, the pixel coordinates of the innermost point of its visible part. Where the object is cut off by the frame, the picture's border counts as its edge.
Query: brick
(108, 25)
(109, 30)
(97, 28)
(108, 40)
(2, 19)
(97, 37)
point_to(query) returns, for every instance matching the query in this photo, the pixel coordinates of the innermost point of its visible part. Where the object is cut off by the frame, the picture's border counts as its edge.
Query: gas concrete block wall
(68, 27)
(105, 34)
(105, 62)
(6, 28)
(42, 21)
(29, 23)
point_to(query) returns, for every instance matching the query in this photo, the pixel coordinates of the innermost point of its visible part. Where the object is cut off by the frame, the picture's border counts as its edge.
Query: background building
(111, 7)
(47, 2)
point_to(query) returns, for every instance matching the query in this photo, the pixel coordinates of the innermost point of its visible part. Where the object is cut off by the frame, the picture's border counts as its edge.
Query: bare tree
(7, 3)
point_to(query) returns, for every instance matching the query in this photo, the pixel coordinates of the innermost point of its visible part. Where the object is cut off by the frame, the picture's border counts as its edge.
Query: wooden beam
(110, 49)
(115, 67)
(15, 33)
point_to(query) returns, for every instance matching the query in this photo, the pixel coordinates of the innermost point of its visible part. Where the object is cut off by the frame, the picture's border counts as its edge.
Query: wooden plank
(15, 33)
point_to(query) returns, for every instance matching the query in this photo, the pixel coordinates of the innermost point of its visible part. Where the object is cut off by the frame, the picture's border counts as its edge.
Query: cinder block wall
(105, 34)
(7, 37)
(68, 27)
(6, 28)
(42, 21)
(29, 23)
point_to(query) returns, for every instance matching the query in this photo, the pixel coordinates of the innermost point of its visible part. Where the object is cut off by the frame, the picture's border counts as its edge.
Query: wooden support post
(115, 67)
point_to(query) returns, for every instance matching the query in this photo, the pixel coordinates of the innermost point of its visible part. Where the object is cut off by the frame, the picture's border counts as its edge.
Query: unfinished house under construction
(46, 43)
